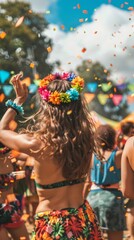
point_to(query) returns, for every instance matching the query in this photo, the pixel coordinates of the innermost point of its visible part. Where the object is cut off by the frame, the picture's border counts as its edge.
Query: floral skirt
(10, 214)
(108, 204)
(68, 223)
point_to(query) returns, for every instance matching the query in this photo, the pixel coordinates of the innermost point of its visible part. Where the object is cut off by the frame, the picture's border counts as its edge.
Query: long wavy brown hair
(67, 130)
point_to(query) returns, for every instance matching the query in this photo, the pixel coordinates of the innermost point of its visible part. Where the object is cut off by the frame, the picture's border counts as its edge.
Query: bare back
(47, 171)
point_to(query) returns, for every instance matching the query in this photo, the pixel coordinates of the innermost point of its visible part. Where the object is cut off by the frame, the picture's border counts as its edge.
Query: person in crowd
(10, 212)
(105, 197)
(25, 189)
(126, 131)
(127, 179)
(60, 138)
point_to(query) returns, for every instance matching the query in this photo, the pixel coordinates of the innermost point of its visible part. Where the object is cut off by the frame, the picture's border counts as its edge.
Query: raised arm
(127, 169)
(20, 142)
(21, 96)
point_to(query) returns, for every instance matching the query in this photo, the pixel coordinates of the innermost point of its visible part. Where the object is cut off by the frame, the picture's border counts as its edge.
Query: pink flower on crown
(44, 93)
(41, 89)
(65, 75)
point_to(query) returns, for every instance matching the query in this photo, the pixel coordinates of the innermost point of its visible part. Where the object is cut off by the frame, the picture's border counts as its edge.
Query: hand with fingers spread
(20, 89)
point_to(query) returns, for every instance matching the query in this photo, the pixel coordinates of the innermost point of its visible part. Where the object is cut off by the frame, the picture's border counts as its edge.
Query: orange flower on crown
(45, 81)
(78, 81)
(72, 94)
(55, 98)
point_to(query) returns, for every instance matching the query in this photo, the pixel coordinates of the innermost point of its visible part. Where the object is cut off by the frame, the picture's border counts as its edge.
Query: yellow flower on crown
(78, 81)
(55, 98)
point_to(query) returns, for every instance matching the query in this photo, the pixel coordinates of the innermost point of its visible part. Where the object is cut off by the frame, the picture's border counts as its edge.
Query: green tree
(96, 73)
(24, 44)
(93, 72)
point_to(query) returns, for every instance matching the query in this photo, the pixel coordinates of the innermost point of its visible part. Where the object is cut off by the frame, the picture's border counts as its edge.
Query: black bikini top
(61, 183)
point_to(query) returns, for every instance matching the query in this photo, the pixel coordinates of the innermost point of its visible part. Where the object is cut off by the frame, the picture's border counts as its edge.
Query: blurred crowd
(115, 212)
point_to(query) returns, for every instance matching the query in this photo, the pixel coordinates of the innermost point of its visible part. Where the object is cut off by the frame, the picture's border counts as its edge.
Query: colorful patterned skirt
(68, 223)
(108, 204)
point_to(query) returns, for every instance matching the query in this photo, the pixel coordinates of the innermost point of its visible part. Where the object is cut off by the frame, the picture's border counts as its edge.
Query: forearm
(9, 115)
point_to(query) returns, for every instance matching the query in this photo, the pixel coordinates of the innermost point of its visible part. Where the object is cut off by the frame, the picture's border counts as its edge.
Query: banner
(130, 99)
(4, 75)
(33, 88)
(106, 86)
(92, 87)
(89, 97)
(131, 87)
(102, 98)
(117, 99)
(37, 82)
(7, 89)
(27, 81)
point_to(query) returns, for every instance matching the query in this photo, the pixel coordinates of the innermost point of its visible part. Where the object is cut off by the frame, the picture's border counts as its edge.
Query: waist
(113, 186)
(60, 198)
(58, 205)
(70, 209)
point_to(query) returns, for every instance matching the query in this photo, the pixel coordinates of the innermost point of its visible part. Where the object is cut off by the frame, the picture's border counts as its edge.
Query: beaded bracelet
(19, 109)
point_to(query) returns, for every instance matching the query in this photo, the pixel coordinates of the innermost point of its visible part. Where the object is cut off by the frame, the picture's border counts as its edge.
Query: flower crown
(56, 98)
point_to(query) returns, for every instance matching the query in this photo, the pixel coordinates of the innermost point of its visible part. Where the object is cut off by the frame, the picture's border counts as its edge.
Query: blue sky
(109, 39)
(67, 13)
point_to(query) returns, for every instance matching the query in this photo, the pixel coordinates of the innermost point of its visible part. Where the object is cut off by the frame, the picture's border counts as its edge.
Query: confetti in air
(83, 50)
(19, 22)
(49, 49)
(32, 65)
(2, 35)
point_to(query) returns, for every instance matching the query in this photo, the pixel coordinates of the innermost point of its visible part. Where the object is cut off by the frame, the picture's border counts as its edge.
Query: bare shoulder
(130, 141)
(129, 146)
(128, 152)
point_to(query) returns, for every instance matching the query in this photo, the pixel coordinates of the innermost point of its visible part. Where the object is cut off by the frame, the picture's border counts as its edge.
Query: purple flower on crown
(71, 76)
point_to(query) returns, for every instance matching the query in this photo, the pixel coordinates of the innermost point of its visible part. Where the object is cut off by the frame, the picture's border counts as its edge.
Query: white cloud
(38, 5)
(108, 39)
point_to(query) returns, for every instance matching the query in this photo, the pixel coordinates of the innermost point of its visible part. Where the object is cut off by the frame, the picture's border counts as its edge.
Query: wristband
(19, 109)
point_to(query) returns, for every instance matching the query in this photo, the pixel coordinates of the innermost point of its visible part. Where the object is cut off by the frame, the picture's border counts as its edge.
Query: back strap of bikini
(60, 184)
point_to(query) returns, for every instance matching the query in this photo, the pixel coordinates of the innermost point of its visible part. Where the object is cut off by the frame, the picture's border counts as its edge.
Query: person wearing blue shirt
(105, 197)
